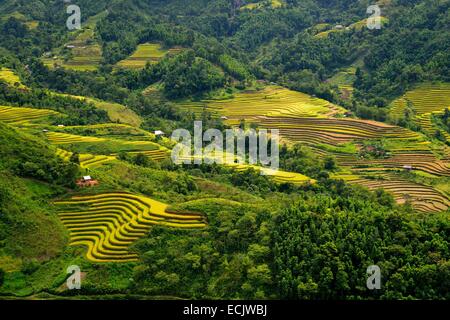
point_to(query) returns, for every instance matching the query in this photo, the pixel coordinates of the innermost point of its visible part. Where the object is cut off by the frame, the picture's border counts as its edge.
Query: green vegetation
(185, 74)
(365, 158)
(74, 111)
(8, 76)
(146, 53)
(83, 53)
(322, 240)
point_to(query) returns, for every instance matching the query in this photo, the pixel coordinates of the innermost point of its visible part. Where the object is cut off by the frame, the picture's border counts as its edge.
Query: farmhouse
(408, 168)
(159, 133)
(348, 114)
(86, 181)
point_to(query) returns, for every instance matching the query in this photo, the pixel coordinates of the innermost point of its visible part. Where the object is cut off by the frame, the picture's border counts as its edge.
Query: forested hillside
(364, 177)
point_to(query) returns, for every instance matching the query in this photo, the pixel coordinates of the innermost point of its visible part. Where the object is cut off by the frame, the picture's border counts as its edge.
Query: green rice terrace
(146, 53)
(84, 51)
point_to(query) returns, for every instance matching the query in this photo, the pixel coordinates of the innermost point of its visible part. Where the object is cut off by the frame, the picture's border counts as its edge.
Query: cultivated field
(278, 176)
(64, 138)
(422, 161)
(424, 101)
(359, 25)
(116, 112)
(11, 78)
(86, 160)
(19, 115)
(423, 198)
(146, 53)
(258, 5)
(344, 80)
(85, 51)
(31, 24)
(110, 130)
(323, 127)
(86, 54)
(107, 224)
(272, 101)
(106, 149)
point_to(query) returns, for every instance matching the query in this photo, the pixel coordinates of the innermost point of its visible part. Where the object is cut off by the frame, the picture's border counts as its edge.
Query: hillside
(31, 234)
(87, 177)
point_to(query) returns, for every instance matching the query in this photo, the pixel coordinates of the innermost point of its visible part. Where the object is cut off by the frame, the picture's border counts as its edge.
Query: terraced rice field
(344, 79)
(148, 148)
(258, 5)
(107, 224)
(272, 101)
(289, 177)
(110, 130)
(21, 115)
(86, 52)
(64, 138)
(155, 155)
(427, 125)
(334, 131)
(11, 78)
(422, 198)
(60, 138)
(116, 112)
(426, 98)
(86, 57)
(278, 176)
(146, 53)
(423, 161)
(359, 25)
